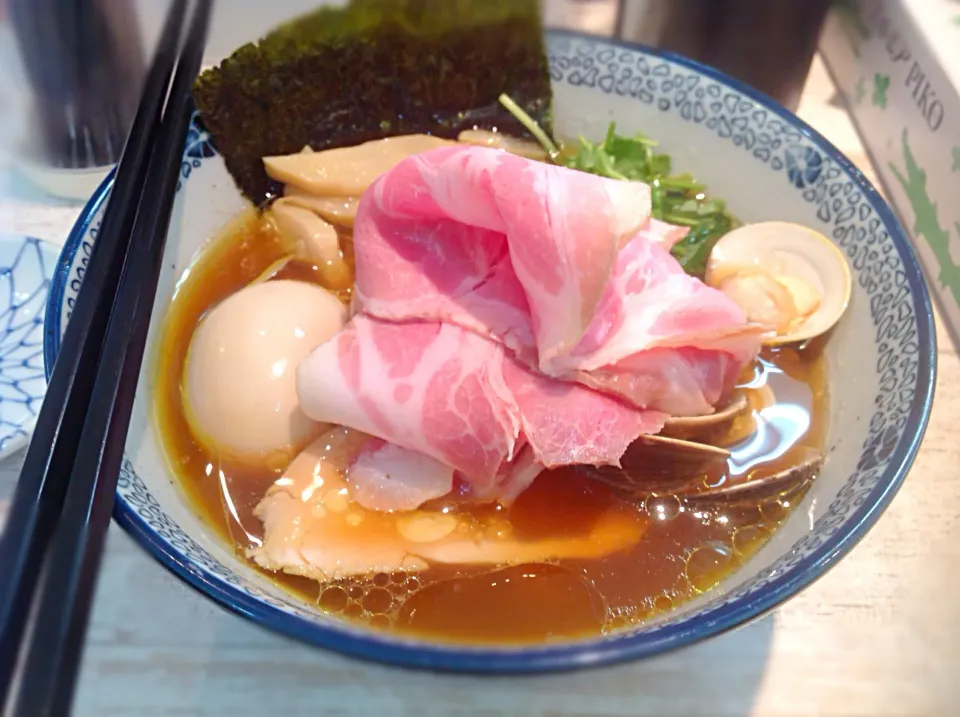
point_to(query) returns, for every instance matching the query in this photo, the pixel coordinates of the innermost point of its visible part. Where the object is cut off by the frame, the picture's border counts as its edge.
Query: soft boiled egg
(239, 388)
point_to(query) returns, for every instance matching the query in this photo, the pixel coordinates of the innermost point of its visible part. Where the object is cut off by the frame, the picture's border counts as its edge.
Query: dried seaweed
(376, 68)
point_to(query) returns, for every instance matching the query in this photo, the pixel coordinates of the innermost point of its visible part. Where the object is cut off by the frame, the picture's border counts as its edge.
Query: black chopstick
(39, 495)
(51, 658)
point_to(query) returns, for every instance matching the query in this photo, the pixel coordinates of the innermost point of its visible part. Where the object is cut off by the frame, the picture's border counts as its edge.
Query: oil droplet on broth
(621, 617)
(377, 600)
(520, 603)
(662, 603)
(774, 511)
(411, 584)
(333, 600)
(354, 611)
(707, 565)
(663, 507)
(499, 529)
(380, 622)
(748, 539)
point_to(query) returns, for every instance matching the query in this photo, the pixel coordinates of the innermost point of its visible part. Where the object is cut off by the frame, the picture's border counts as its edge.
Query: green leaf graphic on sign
(956, 160)
(880, 85)
(859, 90)
(926, 223)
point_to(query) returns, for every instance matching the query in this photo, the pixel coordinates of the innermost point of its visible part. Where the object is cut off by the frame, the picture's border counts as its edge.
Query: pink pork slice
(471, 225)
(387, 477)
(663, 233)
(511, 316)
(515, 250)
(459, 398)
(661, 338)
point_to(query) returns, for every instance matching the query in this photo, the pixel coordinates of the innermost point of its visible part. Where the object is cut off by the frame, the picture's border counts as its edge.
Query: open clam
(709, 483)
(679, 450)
(759, 488)
(785, 276)
(680, 462)
(677, 440)
(733, 407)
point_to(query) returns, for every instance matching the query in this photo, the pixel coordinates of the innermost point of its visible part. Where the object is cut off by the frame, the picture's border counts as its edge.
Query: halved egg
(239, 389)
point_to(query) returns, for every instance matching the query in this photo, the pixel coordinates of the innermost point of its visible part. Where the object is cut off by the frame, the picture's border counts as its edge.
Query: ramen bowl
(768, 165)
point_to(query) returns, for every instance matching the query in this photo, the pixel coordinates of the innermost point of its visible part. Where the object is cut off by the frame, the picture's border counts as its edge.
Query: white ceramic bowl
(768, 165)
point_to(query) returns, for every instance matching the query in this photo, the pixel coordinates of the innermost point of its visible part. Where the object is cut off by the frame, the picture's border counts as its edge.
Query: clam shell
(795, 255)
(737, 404)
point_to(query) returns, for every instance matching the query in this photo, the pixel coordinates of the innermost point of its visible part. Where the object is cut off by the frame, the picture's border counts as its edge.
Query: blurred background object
(768, 44)
(72, 69)
(81, 65)
(597, 17)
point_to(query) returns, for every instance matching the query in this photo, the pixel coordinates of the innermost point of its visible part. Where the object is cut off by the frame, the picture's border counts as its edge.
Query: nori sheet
(373, 69)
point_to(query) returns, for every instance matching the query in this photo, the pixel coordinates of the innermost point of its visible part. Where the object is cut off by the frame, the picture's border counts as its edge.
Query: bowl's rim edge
(566, 656)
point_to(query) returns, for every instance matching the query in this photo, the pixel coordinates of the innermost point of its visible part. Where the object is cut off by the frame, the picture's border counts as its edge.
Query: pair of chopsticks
(51, 547)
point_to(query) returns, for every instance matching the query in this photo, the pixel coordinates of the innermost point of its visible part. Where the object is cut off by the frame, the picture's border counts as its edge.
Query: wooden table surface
(879, 635)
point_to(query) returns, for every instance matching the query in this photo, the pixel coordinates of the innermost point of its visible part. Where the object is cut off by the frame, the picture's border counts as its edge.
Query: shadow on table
(718, 678)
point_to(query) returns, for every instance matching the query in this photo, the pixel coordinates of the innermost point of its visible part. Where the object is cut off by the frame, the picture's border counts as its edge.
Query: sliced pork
(559, 229)
(311, 527)
(385, 476)
(442, 235)
(661, 338)
(512, 316)
(459, 398)
(662, 233)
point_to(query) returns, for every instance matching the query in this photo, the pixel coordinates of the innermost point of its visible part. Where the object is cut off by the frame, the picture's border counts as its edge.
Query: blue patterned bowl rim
(692, 628)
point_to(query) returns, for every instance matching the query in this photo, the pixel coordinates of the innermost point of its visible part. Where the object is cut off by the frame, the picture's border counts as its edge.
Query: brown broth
(684, 551)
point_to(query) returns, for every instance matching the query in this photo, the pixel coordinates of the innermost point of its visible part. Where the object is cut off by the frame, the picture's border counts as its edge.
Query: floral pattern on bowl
(26, 268)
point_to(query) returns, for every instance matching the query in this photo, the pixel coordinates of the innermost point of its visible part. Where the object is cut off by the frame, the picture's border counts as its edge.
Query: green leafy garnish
(531, 126)
(675, 198)
(694, 249)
